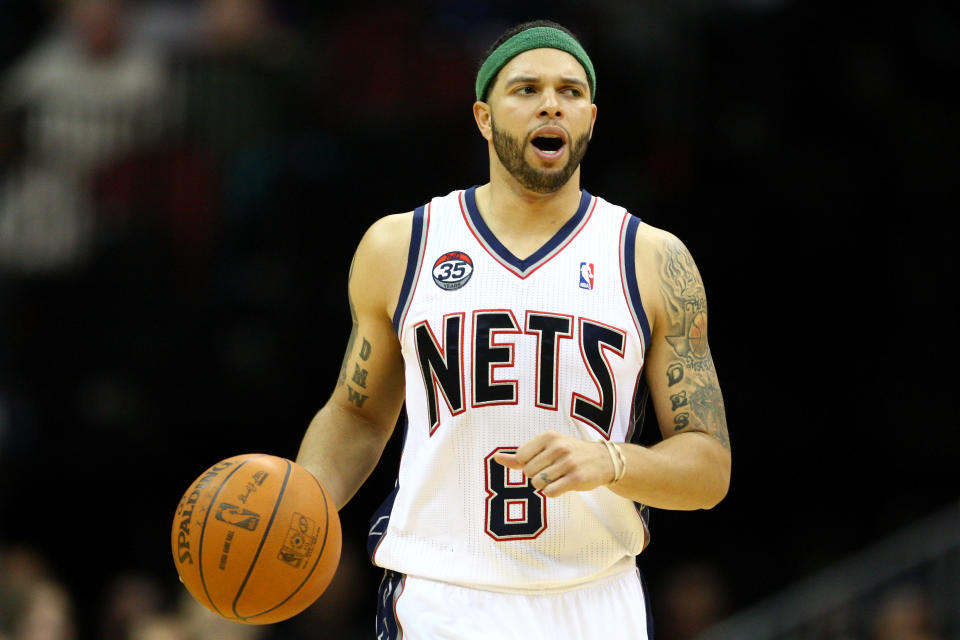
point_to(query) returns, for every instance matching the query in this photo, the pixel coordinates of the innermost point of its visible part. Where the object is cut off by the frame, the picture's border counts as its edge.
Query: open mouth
(548, 143)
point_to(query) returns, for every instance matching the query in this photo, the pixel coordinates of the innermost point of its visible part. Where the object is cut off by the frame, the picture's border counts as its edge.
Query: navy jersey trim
(380, 520)
(379, 523)
(524, 267)
(628, 260)
(641, 394)
(391, 587)
(418, 241)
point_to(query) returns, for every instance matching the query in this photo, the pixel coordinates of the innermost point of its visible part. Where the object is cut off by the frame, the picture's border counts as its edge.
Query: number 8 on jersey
(515, 509)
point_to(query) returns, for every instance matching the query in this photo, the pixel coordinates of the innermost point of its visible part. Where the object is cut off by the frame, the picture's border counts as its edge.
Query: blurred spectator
(33, 605)
(199, 623)
(131, 599)
(165, 627)
(82, 96)
(239, 83)
(691, 599)
(904, 613)
(47, 614)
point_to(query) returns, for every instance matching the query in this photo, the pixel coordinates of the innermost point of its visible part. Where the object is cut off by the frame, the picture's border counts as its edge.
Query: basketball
(256, 538)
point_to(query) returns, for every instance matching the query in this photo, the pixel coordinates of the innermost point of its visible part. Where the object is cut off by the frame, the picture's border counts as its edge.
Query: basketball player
(523, 322)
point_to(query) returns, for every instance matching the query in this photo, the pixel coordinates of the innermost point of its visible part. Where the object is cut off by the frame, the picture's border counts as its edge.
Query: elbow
(718, 487)
(715, 496)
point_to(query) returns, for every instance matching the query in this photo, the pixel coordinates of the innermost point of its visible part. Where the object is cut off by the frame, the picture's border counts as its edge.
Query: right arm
(347, 436)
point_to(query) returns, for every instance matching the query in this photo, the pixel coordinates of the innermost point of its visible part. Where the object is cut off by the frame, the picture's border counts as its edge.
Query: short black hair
(514, 30)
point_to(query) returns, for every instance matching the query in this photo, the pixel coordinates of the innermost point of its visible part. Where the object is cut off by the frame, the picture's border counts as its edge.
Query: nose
(550, 107)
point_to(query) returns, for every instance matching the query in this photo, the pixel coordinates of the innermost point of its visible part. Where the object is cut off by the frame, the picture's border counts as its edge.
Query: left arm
(690, 467)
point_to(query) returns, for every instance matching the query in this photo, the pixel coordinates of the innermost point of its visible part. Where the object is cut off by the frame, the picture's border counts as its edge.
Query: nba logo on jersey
(586, 275)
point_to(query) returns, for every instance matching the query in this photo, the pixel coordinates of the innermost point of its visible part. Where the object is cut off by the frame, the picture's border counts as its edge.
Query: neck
(522, 217)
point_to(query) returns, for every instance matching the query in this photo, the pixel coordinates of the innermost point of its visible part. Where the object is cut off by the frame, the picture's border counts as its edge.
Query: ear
(593, 119)
(481, 114)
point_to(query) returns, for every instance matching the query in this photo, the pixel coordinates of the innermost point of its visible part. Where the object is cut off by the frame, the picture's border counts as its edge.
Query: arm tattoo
(700, 406)
(697, 404)
(359, 376)
(685, 304)
(708, 412)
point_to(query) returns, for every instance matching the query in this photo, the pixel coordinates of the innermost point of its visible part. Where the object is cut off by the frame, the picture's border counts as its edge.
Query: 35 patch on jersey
(452, 270)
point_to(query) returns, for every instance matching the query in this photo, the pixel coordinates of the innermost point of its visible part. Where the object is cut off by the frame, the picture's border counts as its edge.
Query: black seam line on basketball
(263, 539)
(316, 560)
(203, 532)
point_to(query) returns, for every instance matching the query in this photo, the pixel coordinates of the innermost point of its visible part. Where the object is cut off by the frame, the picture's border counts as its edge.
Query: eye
(525, 90)
(573, 91)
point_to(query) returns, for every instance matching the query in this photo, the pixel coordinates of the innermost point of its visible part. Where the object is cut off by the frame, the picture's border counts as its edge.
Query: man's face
(541, 118)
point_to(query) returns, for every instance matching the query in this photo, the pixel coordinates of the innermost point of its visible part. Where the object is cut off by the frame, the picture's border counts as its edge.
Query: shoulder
(653, 238)
(379, 264)
(664, 266)
(656, 247)
(389, 232)
(387, 241)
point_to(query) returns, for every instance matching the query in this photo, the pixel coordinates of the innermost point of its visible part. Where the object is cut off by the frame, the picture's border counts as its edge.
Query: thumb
(509, 460)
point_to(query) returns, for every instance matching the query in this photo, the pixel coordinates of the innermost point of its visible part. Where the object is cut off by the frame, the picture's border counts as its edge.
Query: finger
(564, 476)
(540, 462)
(550, 475)
(509, 460)
(528, 450)
(558, 487)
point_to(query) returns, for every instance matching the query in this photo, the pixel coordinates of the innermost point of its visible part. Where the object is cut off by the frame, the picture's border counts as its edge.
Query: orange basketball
(256, 538)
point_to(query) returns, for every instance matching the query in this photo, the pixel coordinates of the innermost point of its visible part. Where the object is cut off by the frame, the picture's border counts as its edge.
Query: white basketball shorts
(411, 608)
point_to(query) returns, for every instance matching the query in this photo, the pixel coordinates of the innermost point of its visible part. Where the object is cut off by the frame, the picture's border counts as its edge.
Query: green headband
(533, 38)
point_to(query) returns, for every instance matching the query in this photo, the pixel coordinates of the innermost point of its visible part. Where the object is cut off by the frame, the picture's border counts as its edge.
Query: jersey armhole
(628, 273)
(418, 243)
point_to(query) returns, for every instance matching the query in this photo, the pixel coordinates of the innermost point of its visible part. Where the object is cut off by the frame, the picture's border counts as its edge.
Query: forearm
(687, 471)
(341, 449)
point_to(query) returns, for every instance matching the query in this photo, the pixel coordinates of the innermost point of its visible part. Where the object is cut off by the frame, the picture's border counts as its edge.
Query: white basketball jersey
(498, 350)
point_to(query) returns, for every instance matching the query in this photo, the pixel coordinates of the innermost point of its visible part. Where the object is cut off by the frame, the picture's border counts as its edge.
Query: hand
(556, 463)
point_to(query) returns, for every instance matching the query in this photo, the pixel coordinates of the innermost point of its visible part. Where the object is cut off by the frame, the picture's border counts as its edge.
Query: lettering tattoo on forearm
(674, 373)
(355, 397)
(700, 406)
(696, 401)
(678, 400)
(359, 377)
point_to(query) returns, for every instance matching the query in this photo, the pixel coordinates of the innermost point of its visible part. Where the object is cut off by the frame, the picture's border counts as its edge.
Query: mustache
(533, 132)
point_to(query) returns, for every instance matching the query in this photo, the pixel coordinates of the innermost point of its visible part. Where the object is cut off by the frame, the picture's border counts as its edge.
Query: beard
(510, 151)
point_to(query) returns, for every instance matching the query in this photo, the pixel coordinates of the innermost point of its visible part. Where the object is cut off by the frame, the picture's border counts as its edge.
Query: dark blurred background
(182, 184)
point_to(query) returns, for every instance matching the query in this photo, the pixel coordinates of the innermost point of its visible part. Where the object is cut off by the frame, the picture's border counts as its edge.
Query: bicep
(679, 369)
(370, 383)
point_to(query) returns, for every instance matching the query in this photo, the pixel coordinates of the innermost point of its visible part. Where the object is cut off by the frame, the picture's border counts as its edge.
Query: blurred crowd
(35, 605)
(690, 598)
(182, 182)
